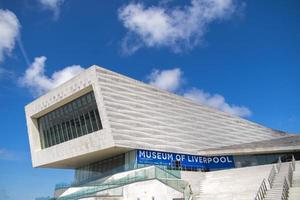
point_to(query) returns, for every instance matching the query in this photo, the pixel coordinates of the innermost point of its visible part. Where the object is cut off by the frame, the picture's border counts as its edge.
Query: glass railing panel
(140, 175)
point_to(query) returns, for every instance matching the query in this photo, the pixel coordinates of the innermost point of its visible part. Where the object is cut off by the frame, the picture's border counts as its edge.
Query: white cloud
(53, 5)
(172, 79)
(178, 28)
(36, 80)
(169, 80)
(9, 31)
(216, 101)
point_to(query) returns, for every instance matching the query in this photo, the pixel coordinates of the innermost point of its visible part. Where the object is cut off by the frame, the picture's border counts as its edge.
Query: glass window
(70, 121)
(88, 122)
(70, 136)
(100, 169)
(78, 126)
(83, 124)
(47, 136)
(73, 129)
(93, 120)
(98, 119)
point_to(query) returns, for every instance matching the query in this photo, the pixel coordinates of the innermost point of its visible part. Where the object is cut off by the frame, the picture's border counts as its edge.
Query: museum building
(129, 140)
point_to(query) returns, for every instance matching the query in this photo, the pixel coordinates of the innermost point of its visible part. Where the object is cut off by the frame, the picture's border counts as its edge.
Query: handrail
(142, 175)
(271, 176)
(92, 189)
(293, 163)
(97, 177)
(285, 190)
(261, 193)
(59, 186)
(290, 175)
(278, 165)
(173, 181)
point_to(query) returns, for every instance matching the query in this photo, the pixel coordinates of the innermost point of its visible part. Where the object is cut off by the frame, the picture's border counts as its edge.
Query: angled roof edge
(289, 143)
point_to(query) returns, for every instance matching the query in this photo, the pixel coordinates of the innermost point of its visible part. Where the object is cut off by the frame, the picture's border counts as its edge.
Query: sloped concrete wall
(142, 116)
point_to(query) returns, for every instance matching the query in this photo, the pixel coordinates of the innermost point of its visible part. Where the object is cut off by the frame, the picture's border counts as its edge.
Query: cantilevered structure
(101, 124)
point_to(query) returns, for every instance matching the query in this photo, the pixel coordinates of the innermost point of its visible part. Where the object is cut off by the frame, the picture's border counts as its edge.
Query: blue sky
(241, 57)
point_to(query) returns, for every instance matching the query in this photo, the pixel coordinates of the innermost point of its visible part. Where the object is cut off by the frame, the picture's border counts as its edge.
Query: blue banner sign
(184, 160)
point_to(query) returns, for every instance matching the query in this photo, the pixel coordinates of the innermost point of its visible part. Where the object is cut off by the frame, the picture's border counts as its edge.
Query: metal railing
(285, 190)
(271, 176)
(261, 191)
(59, 186)
(278, 165)
(290, 175)
(148, 173)
(293, 163)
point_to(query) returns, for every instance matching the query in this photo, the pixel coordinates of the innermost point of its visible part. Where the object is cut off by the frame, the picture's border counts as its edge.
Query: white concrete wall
(150, 190)
(135, 115)
(158, 120)
(71, 151)
(146, 190)
(195, 180)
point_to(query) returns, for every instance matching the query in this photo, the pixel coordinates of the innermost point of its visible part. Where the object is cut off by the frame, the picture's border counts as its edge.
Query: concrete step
(230, 184)
(296, 184)
(275, 192)
(243, 183)
(294, 193)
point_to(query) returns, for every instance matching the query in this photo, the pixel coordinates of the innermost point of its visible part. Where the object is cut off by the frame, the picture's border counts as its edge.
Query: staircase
(246, 183)
(294, 192)
(233, 184)
(275, 192)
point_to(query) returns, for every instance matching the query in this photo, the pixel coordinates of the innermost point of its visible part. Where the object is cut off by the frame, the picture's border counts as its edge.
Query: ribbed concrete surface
(234, 184)
(135, 115)
(156, 119)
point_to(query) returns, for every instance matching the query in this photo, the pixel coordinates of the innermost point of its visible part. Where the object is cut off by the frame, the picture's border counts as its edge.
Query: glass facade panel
(100, 169)
(70, 121)
(263, 159)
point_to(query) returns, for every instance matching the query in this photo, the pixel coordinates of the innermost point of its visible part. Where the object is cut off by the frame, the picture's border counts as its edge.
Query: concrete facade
(135, 115)
(134, 111)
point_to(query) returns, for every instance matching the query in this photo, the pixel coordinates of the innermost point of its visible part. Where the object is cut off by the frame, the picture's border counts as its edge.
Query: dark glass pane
(51, 135)
(83, 125)
(83, 100)
(102, 168)
(41, 128)
(73, 129)
(93, 96)
(89, 98)
(93, 120)
(64, 130)
(78, 127)
(78, 103)
(72, 120)
(88, 122)
(61, 136)
(74, 105)
(55, 133)
(61, 111)
(46, 138)
(70, 136)
(98, 119)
